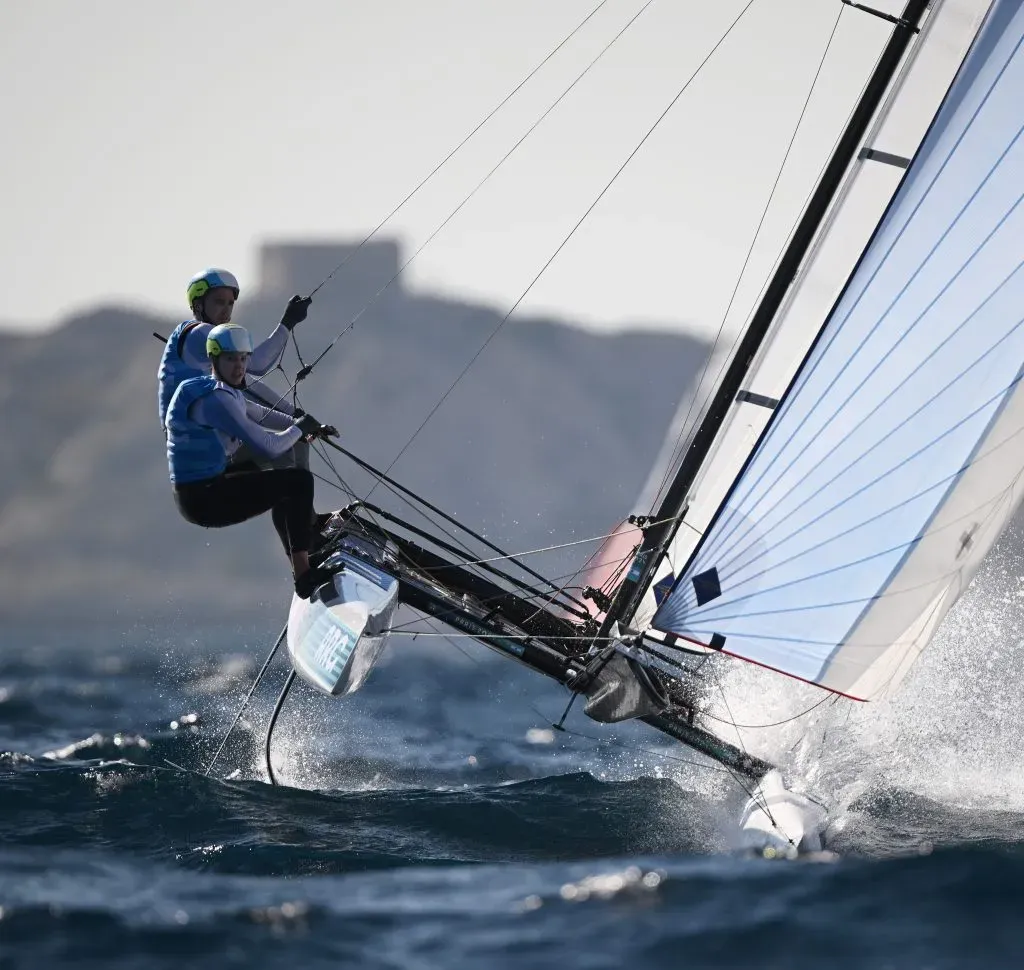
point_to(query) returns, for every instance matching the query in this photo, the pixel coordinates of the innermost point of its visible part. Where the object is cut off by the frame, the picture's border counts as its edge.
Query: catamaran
(860, 454)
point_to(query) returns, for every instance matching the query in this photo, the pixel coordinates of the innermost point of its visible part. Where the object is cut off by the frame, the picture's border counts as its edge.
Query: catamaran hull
(337, 636)
(778, 822)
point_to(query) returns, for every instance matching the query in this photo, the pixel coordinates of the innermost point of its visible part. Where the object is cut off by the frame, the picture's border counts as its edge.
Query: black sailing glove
(295, 312)
(309, 426)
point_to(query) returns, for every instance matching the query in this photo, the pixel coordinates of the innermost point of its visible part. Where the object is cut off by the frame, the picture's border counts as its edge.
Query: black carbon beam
(714, 747)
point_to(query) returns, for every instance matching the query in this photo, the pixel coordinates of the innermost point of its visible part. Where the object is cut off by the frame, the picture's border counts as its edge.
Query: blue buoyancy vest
(194, 450)
(173, 369)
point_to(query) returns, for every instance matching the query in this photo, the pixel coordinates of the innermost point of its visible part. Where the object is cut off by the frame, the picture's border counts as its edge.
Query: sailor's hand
(329, 431)
(295, 312)
(309, 426)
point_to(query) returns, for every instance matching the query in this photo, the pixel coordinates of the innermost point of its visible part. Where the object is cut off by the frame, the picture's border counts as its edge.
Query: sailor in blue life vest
(207, 420)
(211, 296)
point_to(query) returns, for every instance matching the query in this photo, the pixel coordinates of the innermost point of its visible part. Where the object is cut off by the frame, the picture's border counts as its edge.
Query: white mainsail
(896, 133)
(893, 462)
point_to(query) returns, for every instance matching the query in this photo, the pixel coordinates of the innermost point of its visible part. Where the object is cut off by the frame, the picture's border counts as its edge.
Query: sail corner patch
(717, 641)
(706, 586)
(662, 588)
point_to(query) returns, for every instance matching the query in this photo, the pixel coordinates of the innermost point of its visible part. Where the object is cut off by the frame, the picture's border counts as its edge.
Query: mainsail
(892, 463)
(868, 186)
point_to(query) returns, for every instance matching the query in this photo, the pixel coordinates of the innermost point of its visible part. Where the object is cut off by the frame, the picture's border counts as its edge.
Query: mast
(668, 515)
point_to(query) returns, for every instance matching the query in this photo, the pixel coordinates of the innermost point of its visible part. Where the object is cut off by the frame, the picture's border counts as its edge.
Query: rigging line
(533, 595)
(755, 794)
(485, 572)
(564, 730)
(788, 720)
(325, 458)
(738, 554)
(829, 334)
(395, 491)
(302, 374)
(565, 586)
(475, 660)
(487, 601)
(682, 445)
(756, 236)
(380, 225)
(457, 541)
(582, 219)
(619, 564)
(561, 591)
(613, 581)
(391, 483)
(561, 545)
(629, 746)
(479, 569)
(624, 745)
(302, 367)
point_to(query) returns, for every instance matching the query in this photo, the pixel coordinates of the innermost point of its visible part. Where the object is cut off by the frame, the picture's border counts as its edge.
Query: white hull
(336, 637)
(778, 822)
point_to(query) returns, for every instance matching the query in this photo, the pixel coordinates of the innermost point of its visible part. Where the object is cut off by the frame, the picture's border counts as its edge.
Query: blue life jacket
(194, 452)
(173, 369)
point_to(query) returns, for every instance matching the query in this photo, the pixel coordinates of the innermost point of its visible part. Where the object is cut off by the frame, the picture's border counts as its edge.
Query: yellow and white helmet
(228, 338)
(209, 279)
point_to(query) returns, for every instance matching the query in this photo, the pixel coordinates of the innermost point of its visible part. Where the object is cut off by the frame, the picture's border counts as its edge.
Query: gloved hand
(311, 428)
(295, 312)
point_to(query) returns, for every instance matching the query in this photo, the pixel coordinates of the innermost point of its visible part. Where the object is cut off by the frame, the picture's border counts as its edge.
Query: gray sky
(146, 140)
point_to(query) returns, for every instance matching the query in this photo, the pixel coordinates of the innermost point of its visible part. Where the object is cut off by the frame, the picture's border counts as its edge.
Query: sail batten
(893, 461)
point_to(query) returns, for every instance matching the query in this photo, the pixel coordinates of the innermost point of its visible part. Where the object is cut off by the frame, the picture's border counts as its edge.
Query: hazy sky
(145, 140)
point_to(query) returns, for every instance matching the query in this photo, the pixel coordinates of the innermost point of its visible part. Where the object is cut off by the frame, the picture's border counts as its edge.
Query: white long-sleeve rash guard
(238, 420)
(264, 356)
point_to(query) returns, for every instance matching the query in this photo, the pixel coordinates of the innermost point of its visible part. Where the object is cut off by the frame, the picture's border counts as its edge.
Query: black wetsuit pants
(243, 494)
